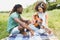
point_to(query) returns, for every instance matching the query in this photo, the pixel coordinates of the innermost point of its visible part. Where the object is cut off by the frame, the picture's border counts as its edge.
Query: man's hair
(15, 8)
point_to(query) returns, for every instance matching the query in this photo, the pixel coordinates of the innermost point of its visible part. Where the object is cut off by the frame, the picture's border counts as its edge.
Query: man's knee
(20, 27)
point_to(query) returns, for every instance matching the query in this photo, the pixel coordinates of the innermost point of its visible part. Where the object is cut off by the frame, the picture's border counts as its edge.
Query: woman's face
(40, 9)
(20, 9)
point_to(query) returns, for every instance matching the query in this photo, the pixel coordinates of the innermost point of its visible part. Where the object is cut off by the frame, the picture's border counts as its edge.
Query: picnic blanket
(35, 37)
(38, 35)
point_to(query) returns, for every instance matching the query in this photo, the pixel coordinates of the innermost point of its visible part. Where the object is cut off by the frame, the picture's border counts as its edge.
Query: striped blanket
(35, 37)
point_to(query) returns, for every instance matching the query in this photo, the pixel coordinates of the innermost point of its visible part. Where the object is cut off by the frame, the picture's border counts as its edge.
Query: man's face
(20, 10)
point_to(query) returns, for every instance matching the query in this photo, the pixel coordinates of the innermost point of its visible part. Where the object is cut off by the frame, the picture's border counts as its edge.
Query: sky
(7, 5)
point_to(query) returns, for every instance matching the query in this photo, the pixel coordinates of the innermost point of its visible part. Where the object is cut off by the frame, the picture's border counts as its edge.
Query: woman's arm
(48, 29)
(46, 19)
(34, 18)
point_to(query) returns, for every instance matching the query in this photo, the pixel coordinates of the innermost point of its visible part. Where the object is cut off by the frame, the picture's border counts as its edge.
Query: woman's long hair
(42, 5)
(15, 8)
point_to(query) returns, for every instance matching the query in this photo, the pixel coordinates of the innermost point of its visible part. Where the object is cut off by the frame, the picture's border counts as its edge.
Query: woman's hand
(48, 30)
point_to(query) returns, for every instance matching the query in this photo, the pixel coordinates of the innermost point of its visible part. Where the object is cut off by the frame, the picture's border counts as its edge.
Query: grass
(54, 22)
(3, 25)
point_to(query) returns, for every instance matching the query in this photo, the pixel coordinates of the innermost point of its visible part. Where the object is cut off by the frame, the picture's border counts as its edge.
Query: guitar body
(37, 20)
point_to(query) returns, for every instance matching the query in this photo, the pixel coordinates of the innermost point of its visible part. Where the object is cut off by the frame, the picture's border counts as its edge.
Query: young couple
(16, 24)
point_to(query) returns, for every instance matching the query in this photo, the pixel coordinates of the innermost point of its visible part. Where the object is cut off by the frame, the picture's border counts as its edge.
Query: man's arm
(22, 24)
(23, 20)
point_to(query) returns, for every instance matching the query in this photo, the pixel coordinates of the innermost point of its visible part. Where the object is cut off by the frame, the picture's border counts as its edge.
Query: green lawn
(54, 22)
